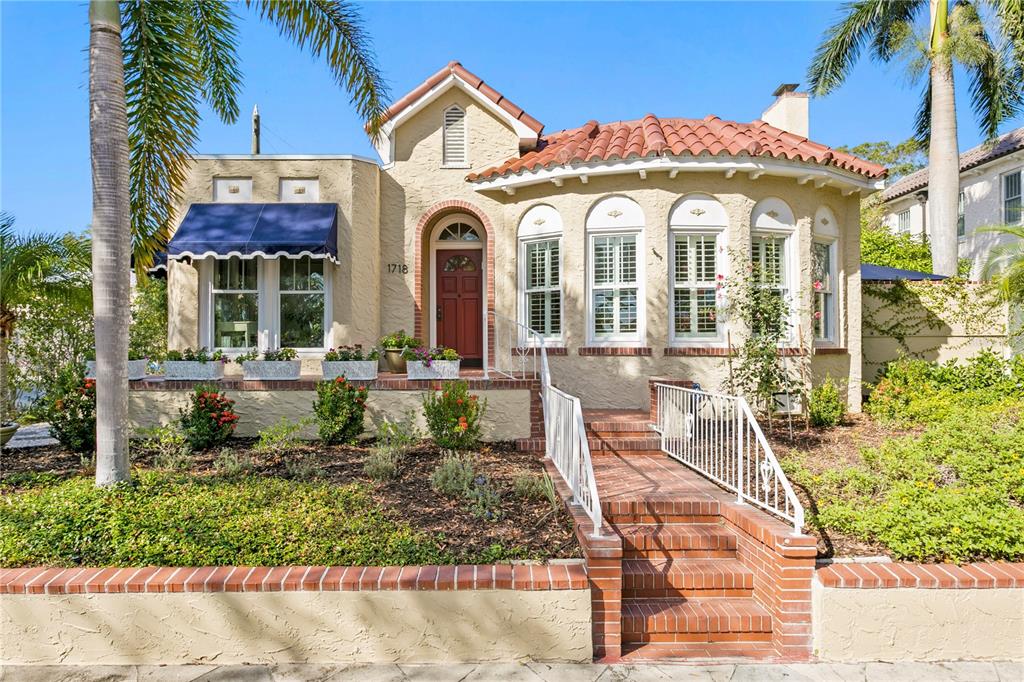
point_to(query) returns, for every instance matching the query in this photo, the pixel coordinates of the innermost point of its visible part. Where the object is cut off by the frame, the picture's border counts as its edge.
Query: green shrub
(170, 449)
(147, 334)
(232, 464)
(454, 476)
(280, 438)
(484, 500)
(167, 519)
(399, 340)
(279, 355)
(383, 463)
(400, 435)
(339, 410)
(351, 353)
(826, 407)
(72, 412)
(302, 468)
(453, 416)
(531, 486)
(192, 355)
(209, 420)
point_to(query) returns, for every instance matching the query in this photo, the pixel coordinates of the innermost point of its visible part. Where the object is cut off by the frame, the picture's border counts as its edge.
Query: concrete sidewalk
(959, 671)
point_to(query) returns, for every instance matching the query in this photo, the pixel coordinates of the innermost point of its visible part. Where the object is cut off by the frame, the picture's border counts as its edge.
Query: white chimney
(789, 111)
(255, 130)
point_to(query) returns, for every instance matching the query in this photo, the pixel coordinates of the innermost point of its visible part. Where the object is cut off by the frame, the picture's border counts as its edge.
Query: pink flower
(817, 314)
(817, 285)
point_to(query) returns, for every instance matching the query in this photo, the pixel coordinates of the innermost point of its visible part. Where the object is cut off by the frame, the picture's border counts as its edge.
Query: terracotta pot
(395, 361)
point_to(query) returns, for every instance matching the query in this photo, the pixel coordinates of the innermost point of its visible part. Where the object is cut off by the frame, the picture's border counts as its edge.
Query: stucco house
(990, 194)
(610, 240)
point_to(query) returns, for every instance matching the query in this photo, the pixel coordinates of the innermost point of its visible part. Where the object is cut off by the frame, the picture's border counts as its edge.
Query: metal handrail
(518, 351)
(718, 436)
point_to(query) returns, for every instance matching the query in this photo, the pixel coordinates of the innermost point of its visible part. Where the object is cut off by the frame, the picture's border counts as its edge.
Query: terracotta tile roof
(972, 158)
(474, 82)
(652, 137)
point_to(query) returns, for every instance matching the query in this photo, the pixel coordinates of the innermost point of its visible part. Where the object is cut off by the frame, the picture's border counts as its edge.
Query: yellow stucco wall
(296, 627)
(903, 624)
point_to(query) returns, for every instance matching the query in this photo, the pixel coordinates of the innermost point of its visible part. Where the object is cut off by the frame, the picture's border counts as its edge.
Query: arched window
(540, 271)
(697, 231)
(772, 248)
(823, 275)
(459, 232)
(455, 153)
(615, 273)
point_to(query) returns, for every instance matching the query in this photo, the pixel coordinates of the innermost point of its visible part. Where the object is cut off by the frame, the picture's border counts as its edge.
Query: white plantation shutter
(615, 285)
(455, 137)
(695, 284)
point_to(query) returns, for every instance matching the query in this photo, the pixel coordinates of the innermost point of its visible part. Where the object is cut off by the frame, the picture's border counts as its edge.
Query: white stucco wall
(299, 627)
(507, 416)
(902, 624)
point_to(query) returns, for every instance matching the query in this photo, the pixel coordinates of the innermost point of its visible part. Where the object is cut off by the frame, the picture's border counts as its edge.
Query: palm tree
(144, 118)
(55, 268)
(995, 67)
(1005, 264)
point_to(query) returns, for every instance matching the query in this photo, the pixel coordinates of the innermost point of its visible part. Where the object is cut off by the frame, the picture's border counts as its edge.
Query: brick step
(719, 619)
(636, 431)
(674, 578)
(627, 447)
(654, 510)
(693, 540)
(693, 652)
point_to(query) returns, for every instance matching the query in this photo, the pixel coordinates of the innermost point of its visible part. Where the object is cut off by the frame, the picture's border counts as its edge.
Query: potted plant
(394, 345)
(280, 365)
(194, 365)
(137, 363)
(351, 363)
(432, 363)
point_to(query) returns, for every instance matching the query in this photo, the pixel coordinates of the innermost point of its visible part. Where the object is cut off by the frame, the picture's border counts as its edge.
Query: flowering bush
(191, 355)
(453, 416)
(428, 355)
(399, 339)
(73, 411)
(351, 353)
(210, 418)
(339, 409)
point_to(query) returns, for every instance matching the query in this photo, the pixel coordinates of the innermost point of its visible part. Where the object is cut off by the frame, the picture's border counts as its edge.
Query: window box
(193, 370)
(136, 369)
(438, 369)
(354, 370)
(271, 370)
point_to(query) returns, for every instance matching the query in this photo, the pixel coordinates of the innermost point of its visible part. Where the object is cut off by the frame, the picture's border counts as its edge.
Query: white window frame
(635, 339)
(961, 216)
(525, 291)
(268, 306)
(903, 221)
(790, 271)
(1020, 196)
(445, 162)
(675, 338)
(831, 336)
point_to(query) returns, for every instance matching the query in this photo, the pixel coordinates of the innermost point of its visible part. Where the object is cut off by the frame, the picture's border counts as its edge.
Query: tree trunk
(111, 238)
(943, 151)
(6, 407)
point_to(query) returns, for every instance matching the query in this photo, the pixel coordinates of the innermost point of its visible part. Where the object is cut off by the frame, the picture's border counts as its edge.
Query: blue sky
(564, 63)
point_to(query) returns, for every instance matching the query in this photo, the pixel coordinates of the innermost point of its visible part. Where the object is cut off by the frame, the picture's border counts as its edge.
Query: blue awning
(251, 230)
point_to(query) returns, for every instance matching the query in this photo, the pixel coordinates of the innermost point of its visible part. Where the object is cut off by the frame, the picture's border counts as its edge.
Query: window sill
(449, 166)
(616, 351)
(830, 350)
(696, 352)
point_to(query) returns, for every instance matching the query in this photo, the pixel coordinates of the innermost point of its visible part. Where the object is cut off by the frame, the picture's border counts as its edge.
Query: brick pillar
(685, 383)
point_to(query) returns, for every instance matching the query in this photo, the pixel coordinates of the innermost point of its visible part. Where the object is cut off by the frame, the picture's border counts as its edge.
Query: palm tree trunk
(111, 238)
(943, 152)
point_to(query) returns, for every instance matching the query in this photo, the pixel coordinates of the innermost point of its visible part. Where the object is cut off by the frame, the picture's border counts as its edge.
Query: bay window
(1012, 198)
(301, 302)
(614, 287)
(822, 289)
(768, 255)
(235, 307)
(694, 292)
(542, 287)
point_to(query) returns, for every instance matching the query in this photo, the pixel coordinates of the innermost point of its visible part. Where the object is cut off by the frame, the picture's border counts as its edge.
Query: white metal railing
(519, 351)
(718, 436)
(567, 446)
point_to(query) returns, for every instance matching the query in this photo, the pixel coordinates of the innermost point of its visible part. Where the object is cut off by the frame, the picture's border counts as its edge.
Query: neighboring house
(990, 194)
(611, 240)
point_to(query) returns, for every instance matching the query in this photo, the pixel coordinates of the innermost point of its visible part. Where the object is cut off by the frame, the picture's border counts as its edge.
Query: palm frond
(333, 29)
(995, 80)
(163, 86)
(214, 30)
(54, 266)
(923, 120)
(1005, 263)
(864, 21)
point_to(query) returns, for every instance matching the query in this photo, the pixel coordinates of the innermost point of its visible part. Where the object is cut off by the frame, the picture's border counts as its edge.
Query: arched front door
(459, 288)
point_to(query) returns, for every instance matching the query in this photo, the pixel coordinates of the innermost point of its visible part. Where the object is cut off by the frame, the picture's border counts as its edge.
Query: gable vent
(454, 153)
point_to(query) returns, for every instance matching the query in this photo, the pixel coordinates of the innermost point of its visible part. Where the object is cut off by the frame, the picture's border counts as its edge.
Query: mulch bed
(531, 526)
(832, 448)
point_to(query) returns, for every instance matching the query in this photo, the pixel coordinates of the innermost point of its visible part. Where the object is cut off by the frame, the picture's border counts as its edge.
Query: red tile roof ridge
(651, 136)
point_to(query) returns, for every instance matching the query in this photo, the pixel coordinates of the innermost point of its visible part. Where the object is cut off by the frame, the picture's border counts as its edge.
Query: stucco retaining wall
(507, 417)
(917, 623)
(307, 627)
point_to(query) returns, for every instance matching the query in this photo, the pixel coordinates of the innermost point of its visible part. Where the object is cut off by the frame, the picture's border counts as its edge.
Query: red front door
(459, 313)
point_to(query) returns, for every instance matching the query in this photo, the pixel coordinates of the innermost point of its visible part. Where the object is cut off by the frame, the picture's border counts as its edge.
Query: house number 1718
(398, 268)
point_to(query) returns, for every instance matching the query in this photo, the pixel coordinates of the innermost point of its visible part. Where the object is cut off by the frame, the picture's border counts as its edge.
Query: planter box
(438, 369)
(356, 370)
(271, 370)
(136, 369)
(190, 370)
